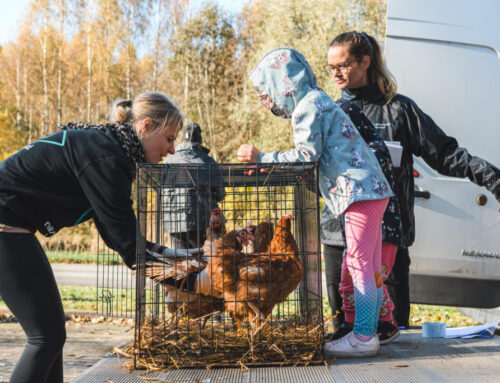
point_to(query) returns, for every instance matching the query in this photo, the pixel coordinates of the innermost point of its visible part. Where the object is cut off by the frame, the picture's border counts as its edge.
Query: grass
(74, 298)
(424, 313)
(84, 298)
(67, 257)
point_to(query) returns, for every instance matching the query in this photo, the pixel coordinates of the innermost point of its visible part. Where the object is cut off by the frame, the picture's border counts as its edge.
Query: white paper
(396, 151)
(482, 331)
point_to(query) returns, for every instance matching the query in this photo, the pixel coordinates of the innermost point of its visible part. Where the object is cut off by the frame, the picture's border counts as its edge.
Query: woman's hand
(248, 153)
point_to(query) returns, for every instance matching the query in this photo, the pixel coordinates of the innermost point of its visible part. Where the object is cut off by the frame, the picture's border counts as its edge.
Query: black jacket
(402, 120)
(188, 209)
(68, 178)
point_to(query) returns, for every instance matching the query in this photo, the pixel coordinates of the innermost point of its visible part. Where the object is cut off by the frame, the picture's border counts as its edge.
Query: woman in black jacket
(357, 66)
(81, 172)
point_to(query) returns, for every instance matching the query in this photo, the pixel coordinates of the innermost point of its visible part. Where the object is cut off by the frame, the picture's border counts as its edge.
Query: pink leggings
(347, 288)
(362, 266)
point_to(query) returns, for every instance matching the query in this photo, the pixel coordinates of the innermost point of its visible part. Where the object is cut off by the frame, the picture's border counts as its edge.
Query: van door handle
(422, 194)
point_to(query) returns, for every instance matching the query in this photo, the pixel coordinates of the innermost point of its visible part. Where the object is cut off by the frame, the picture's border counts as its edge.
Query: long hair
(361, 44)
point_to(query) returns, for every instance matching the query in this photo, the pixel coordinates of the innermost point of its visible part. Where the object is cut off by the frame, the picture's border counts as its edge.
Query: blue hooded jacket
(348, 169)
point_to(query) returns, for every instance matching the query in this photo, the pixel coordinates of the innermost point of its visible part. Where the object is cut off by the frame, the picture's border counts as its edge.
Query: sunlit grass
(425, 313)
(87, 258)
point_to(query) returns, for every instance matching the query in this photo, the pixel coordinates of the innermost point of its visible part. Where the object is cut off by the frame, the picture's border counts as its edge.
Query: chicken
(221, 265)
(262, 234)
(172, 272)
(252, 284)
(172, 275)
(215, 230)
(180, 268)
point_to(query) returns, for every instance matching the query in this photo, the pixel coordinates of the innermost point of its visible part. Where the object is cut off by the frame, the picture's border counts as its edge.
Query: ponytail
(361, 44)
(153, 105)
(121, 111)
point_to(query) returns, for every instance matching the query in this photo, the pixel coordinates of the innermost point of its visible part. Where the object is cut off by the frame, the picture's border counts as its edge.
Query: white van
(445, 56)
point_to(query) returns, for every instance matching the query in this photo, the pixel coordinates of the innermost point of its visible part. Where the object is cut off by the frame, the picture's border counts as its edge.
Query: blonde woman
(81, 172)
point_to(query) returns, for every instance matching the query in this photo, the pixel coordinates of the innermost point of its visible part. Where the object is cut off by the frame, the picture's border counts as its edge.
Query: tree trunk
(18, 92)
(89, 74)
(186, 85)
(45, 106)
(26, 97)
(30, 125)
(62, 6)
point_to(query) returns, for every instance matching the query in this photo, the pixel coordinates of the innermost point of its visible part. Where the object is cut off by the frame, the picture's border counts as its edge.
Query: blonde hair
(154, 105)
(361, 44)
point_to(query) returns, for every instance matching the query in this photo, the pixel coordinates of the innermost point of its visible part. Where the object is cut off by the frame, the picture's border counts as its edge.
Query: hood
(286, 77)
(191, 146)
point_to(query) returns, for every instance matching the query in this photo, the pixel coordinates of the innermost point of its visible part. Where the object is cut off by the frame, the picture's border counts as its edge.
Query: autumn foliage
(72, 58)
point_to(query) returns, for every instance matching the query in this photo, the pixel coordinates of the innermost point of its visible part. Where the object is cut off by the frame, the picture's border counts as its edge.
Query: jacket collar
(191, 146)
(370, 93)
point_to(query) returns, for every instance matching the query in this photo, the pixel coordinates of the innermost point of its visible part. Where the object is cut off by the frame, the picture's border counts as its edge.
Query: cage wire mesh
(115, 292)
(263, 305)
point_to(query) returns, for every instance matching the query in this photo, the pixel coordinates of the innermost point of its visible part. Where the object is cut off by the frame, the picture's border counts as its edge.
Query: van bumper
(454, 290)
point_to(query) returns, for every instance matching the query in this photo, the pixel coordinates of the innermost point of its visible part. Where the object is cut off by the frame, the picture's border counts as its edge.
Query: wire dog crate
(261, 303)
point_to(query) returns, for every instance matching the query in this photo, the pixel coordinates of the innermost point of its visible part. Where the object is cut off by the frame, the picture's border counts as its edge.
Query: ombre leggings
(362, 266)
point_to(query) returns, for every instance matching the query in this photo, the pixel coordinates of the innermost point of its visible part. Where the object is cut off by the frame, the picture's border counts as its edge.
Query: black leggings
(398, 284)
(333, 268)
(28, 287)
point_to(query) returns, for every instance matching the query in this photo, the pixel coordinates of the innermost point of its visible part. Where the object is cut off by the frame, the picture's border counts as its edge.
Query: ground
(81, 351)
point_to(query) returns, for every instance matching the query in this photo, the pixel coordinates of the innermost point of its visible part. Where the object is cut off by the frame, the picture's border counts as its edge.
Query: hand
(252, 170)
(248, 153)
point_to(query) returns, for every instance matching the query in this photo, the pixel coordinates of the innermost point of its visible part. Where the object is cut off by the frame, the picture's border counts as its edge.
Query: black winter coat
(188, 209)
(402, 120)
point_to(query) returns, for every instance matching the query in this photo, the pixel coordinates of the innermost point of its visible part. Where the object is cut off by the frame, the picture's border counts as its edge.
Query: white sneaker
(351, 347)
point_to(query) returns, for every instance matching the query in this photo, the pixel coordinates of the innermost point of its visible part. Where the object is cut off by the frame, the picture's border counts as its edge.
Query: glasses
(342, 68)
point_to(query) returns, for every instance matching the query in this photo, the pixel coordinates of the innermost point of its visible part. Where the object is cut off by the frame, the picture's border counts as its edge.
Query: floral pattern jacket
(348, 169)
(391, 223)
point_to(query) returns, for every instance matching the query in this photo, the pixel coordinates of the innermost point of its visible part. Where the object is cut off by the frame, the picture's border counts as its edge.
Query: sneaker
(351, 347)
(387, 331)
(340, 333)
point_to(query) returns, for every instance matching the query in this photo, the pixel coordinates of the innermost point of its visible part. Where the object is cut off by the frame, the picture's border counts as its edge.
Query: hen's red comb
(215, 211)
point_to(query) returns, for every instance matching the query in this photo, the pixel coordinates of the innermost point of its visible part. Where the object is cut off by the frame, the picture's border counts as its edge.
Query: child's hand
(248, 153)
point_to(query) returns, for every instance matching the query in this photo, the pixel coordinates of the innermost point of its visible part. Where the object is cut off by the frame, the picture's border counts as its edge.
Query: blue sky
(12, 10)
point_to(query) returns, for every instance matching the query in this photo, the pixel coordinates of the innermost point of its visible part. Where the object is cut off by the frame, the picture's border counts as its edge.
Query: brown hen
(252, 284)
(262, 233)
(201, 302)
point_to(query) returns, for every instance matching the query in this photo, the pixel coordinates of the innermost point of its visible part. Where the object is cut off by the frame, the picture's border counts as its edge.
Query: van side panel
(444, 56)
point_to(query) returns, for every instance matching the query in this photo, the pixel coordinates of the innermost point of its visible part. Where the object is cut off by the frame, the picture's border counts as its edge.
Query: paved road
(88, 275)
(75, 274)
